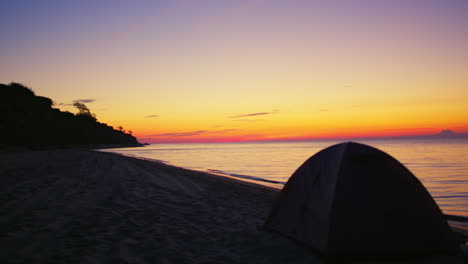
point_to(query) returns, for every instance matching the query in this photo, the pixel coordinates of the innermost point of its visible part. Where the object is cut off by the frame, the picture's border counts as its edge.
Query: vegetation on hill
(28, 120)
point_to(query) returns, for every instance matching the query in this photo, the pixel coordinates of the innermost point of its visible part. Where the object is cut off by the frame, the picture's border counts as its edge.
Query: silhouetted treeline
(30, 121)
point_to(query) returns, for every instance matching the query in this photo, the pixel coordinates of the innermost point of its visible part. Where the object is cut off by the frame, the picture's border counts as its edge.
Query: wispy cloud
(249, 120)
(249, 115)
(77, 100)
(190, 133)
(151, 116)
(84, 100)
(181, 134)
(255, 114)
(63, 104)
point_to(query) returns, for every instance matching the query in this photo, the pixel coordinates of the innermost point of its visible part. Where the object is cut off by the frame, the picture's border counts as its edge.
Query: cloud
(249, 120)
(323, 110)
(190, 133)
(63, 104)
(223, 131)
(84, 100)
(255, 114)
(77, 100)
(181, 134)
(151, 116)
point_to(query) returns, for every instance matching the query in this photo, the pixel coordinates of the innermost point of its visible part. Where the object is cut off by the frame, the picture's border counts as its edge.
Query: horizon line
(444, 134)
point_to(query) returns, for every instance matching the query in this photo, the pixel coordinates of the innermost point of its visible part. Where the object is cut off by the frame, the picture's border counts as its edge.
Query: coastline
(84, 206)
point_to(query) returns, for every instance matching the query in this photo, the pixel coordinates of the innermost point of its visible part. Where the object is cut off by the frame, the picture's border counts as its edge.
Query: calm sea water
(441, 165)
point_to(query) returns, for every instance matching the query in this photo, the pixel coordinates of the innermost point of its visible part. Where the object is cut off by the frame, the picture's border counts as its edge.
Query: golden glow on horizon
(307, 69)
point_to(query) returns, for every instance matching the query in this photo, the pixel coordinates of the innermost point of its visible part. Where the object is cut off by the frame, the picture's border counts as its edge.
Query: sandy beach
(82, 206)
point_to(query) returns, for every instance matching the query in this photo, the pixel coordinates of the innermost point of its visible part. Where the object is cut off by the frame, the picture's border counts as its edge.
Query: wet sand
(81, 206)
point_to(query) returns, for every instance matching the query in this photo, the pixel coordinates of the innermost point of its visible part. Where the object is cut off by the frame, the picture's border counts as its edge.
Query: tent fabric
(353, 199)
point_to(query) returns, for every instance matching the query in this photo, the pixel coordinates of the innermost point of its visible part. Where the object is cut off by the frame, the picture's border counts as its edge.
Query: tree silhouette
(84, 111)
(29, 120)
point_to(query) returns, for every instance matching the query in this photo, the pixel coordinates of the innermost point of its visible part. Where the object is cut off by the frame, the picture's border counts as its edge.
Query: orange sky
(206, 70)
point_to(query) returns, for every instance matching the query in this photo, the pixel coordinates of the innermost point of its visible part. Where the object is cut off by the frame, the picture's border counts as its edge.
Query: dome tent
(355, 200)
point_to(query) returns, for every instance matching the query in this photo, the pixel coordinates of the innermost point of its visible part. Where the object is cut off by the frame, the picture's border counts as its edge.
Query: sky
(237, 70)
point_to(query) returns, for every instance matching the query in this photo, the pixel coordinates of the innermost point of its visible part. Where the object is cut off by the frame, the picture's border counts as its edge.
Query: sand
(82, 206)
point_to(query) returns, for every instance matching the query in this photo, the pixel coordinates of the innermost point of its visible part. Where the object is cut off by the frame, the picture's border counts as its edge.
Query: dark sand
(80, 206)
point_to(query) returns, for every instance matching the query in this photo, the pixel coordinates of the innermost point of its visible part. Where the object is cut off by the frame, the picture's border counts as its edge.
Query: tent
(355, 200)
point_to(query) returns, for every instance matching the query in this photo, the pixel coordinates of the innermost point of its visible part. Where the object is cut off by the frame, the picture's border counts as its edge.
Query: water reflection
(442, 166)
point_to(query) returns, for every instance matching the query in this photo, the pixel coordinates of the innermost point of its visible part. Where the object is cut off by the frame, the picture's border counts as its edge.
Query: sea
(440, 164)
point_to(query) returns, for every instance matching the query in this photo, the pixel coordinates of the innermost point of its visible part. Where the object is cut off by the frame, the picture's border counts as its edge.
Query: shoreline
(457, 223)
(85, 206)
(69, 147)
(222, 176)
